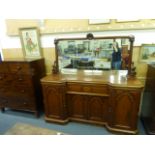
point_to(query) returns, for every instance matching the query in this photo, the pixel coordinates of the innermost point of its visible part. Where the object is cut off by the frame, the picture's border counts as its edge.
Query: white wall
(141, 37)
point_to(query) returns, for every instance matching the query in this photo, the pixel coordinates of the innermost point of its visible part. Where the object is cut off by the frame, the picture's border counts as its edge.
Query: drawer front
(74, 87)
(22, 104)
(90, 88)
(5, 79)
(19, 68)
(23, 91)
(18, 91)
(5, 90)
(22, 80)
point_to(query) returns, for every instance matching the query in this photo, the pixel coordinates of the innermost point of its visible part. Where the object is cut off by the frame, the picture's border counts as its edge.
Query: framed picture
(147, 53)
(30, 42)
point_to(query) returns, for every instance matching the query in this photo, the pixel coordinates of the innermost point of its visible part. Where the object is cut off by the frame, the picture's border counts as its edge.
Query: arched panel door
(77, 106)
(54, 101)
(97, 108)
(124, 108)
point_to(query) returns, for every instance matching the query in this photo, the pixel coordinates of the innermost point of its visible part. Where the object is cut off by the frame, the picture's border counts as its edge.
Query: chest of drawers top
(18, 66)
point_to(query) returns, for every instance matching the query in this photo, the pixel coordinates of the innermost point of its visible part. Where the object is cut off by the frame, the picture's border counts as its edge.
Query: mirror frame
(90, 36)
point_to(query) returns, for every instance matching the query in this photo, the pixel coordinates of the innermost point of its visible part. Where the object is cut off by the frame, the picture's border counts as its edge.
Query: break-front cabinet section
(87, 102)
(87, 86)
(54, 97)
(87, 108)
(124, 108)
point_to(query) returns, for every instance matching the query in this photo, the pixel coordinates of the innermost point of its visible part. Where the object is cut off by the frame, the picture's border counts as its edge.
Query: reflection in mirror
(102, 53)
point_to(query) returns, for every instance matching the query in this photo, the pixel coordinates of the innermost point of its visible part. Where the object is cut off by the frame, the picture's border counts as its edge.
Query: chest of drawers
(20, 87)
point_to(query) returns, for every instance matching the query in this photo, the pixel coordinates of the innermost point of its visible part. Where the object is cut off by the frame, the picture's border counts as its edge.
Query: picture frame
(147, 53)
(30, 42)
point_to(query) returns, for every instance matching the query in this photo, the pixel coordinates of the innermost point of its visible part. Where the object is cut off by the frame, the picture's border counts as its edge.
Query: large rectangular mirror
(94, 53)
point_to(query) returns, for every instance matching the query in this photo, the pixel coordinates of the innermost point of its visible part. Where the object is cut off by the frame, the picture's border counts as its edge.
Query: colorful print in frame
(30, 42)
(147, 53)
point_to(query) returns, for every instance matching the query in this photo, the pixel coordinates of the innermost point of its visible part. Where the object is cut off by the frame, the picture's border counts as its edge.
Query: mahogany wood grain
(20, 87)
(93, 97)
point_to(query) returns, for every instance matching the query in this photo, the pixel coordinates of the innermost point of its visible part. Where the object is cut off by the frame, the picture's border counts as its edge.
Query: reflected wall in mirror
(94, 53)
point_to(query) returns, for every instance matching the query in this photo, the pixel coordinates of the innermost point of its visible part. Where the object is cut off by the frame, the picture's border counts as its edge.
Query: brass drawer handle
(19, 68)
(2, 77)
(110, 110)
(65, 105)
(20, 79)
(4, 101)
(23, 91)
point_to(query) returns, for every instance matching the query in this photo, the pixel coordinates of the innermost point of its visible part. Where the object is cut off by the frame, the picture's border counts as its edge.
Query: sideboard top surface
(111, 77)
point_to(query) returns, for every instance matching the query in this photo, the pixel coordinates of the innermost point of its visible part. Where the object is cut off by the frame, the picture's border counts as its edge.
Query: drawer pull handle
(1, 77)
(110, 110)
(5, 101)
(20, 79)
(19, 68)
(23, 91)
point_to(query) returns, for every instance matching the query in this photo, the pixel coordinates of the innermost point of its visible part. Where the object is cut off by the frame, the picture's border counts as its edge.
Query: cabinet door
(124, 109)
(54, 101)
(77, 106)
(97, 108)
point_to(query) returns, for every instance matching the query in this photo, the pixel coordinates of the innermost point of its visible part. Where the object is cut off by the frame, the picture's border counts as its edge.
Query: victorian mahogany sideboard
(97, 97)
(20, 87)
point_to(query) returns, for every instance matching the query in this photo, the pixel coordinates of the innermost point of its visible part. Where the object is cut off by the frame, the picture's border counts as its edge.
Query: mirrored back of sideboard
(94, 53)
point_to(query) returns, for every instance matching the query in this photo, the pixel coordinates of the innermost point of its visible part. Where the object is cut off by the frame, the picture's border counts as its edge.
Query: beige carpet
(27, 129)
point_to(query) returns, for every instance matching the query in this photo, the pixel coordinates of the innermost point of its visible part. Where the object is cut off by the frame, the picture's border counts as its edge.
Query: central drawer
(89, 88)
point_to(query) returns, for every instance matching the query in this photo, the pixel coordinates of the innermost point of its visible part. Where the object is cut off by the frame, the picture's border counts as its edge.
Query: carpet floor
(11, 117)
(28, 129)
